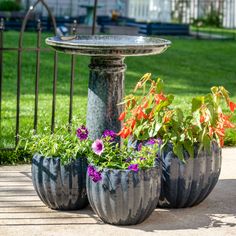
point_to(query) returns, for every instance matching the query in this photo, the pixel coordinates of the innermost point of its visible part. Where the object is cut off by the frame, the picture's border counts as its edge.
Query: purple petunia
(133, 167)
(140, 147)
(128, 159)
(82, 133)
(110, 134)
(98, 147)
(94, 174)
(153, 141)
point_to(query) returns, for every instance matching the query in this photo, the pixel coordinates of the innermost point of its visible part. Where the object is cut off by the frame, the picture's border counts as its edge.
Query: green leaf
(206, 142)
(160, 85)
(189, 147)
(180, 115)
(197, 103)
(178, 151)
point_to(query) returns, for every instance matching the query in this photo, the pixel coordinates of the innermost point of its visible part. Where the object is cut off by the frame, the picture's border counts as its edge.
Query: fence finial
(39, 25)
(74, 27)
(2, 26)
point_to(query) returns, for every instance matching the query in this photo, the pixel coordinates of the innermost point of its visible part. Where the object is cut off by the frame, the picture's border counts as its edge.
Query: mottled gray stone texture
(188, 184)
(60, 187)
(125, 197)
(106, 88)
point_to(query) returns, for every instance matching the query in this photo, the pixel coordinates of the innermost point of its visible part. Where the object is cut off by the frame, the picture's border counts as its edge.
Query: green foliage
(9, 5)
(153, 115)
(63, 144)
(212, 18)
(115, 157)
(13, 157)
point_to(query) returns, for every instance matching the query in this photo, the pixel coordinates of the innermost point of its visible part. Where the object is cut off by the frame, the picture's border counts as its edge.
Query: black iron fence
(20, 50)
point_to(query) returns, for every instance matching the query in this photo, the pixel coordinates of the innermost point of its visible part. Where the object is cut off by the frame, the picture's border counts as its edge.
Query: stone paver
(23, 214)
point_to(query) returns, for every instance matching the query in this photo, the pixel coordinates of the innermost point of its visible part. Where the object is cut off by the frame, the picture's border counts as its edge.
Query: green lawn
(190, 67)
(230, 33)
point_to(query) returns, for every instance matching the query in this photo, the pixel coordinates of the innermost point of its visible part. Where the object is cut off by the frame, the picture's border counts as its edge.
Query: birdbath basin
(107, 67)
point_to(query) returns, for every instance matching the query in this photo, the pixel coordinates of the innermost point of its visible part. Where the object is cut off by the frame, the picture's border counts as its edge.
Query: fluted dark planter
(60, 187)
(187, 184)
(125, 197)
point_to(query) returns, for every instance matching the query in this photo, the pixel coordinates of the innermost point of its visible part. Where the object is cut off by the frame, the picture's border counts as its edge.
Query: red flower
(159, 97)
(131, 123)
(221, 141)
(224, 121)
(151, 114)
(122, 116)
(139, 113)
(232, 106)
(211, 131)
(202, 119)
(220, 132)
(125, 132)
(166, 119)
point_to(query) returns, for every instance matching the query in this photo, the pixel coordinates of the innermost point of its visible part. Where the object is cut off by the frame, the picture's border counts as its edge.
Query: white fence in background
(72, 7)
(150, 10)
(229, 19)
(186, 11)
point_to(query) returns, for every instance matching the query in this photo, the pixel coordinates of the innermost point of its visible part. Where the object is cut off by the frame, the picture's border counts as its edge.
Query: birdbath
(107, 68)
(89, 13)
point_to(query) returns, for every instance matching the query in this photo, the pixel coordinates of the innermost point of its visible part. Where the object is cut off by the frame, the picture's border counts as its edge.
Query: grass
(229, 33)
(190, 67)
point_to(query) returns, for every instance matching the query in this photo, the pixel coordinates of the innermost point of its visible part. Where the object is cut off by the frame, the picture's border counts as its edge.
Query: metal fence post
(1, 69)
(72, 78)
(39, 31)
(94, 17)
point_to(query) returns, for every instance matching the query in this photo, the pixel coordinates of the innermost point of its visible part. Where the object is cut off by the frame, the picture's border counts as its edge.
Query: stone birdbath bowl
(106, 82)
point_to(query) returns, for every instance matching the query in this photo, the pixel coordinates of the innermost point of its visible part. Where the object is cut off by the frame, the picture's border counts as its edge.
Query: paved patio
(22, 213)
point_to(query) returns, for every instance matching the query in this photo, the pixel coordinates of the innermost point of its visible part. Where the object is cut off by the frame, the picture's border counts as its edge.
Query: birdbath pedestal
(89, 13)
(106, 82)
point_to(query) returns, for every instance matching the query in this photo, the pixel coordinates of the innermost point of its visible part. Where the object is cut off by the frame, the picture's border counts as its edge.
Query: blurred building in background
(213, 12)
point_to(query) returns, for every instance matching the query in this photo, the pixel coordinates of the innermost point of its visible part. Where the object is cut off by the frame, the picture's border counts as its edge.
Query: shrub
(7, 5)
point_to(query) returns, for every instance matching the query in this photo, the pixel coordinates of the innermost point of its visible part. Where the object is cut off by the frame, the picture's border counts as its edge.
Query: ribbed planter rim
(58, 158)
(196, 150)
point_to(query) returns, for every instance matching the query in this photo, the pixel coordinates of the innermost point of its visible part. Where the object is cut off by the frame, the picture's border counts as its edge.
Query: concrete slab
(23, 214)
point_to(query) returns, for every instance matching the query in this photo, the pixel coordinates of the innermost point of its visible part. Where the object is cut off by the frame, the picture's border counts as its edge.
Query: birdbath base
(106, 88)
(106, 83)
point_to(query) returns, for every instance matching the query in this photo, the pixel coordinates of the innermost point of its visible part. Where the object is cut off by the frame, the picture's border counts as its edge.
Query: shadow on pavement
(218, 210)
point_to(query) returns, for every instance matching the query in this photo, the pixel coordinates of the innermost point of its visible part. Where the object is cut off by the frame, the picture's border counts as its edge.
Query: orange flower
(202, 119)
(139, 113)
(224, 121)
(166, 119)
(125, 132)
(131, 122)
(220, 132)
(152, 91)
(211, 131)
(145, 104)
(232, 106)
(151, 114)
(122, 116)
(221, 141)
(159, 97)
